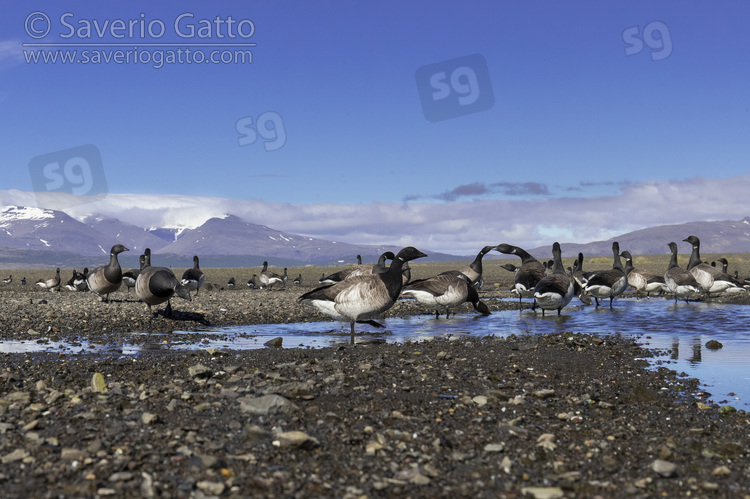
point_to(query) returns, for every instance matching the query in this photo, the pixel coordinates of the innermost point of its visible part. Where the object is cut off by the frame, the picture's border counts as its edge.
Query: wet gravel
(560, 415)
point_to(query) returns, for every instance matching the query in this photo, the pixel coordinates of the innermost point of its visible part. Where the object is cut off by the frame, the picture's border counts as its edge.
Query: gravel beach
(560, 415)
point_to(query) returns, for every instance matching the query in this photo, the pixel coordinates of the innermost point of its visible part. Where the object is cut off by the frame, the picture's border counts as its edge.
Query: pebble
(199, 371)
(295, 440)
(98, 385)
(543, 492)
(663, 468)
(267, 404)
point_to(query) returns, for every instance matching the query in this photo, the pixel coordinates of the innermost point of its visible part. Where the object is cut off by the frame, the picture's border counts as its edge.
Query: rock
(546, 441)
(726, 410)
(412, 475)
(213, 488)
(16, 455)
(274, 342)
(255, 432)
(543, 492)
(149, 418)
(98, 384)
(494, 447)
(121, 476)
(714, 345)
(72, 454)
(295, 440)
(292, 389)
(214, 351)
(544, 394)
(480, 400)
(721, 471)
(267, 404)
(663, 468)
(199, 371)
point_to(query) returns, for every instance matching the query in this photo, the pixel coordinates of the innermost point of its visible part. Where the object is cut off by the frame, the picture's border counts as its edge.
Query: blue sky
(589, 118)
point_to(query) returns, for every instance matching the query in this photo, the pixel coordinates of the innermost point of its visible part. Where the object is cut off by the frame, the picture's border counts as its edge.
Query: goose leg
(352, 324)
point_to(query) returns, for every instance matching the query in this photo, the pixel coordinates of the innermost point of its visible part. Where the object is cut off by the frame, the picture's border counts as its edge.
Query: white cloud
(453, 227)
(11, 53)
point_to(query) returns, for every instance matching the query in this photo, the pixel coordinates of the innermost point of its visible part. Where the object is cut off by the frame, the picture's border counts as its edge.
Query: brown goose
(268, 278)
(528, 274)
(358, 270)
(52, 283)
(156, 285)
(362, 298)
(106, 279)
(608, 283)
(678, 280)
(555, 290)
(194, 278)
(443, 292)
(711, 279)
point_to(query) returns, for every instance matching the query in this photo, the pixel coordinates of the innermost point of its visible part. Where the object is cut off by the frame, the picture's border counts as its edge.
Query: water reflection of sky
(682, 330)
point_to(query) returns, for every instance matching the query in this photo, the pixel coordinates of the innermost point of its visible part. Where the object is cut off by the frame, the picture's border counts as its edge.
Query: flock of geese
(362, 293)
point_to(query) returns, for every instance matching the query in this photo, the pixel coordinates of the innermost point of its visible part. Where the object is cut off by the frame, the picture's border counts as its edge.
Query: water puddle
(680, 330)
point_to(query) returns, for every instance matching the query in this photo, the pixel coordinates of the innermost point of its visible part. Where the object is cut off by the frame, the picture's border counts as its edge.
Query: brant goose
(443, 292)
(194, 278)
(711, 279)
(268, 278)
(678, 280)
(298, 280)
(106, 279)
(23, 281)
(51, 283)
(608, 283)
(156, 285)
(8, 280)
(474, 270)
(231, 282)
(555, 290)
(129, 277)
(528, 274)
(361, 299)
(252, 283)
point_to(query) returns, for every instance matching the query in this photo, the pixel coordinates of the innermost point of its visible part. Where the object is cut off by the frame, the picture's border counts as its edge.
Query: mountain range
(35, 237)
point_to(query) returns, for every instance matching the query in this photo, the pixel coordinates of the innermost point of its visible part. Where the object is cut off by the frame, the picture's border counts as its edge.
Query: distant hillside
(726, 236)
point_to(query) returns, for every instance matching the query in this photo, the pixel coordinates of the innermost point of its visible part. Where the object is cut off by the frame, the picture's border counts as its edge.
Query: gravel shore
(561, 415)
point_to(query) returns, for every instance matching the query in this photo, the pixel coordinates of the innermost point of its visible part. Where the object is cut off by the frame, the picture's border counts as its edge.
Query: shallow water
(682, 330)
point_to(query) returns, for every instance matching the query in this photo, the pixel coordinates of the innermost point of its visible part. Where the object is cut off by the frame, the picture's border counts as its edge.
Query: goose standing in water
(363, 298)
(555, 290)
(194, 278)
(358, 270)
(528, 274)
(443, 292)
(608, 283)
(642, 280)
(156, 285)
(678, 280)
(711, 279)
(52, 283)
(474, 270)
(107, 279)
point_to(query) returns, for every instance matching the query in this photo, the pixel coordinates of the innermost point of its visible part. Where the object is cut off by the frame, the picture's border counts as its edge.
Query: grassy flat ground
(494, 275)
